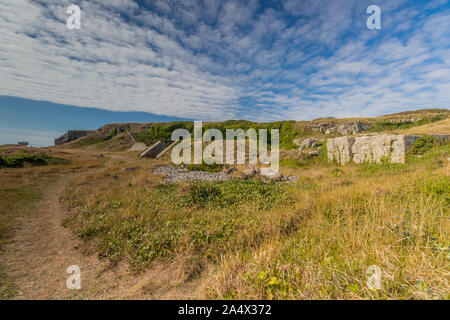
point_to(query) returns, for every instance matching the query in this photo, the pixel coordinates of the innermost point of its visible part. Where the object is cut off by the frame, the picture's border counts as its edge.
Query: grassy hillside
(313, 239)
(440, 127)
(116, 137)
(247, 239)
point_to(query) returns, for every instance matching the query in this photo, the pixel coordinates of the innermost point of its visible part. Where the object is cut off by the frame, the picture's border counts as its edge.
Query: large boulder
(271, 174)
(308, 143)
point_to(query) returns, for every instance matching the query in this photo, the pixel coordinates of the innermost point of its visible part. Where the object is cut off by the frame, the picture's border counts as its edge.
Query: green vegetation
(215, 167)
(21, 159)
(422, 145)
(289, 130)
(87, 141)
(293, 163)
(249, 239)
(389, 125)
(311, 239)
(207, 219)
(162, 132)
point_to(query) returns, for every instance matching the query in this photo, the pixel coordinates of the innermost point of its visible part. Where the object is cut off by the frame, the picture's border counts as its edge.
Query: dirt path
(42, 249)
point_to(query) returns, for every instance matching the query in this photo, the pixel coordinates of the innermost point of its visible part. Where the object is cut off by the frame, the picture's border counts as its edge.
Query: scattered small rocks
(175, 175)
(291, 179)
(271, 175)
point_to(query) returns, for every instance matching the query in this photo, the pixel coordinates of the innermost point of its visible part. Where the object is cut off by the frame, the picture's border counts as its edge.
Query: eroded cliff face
(372, 148)
(341, 128)
(71, 135)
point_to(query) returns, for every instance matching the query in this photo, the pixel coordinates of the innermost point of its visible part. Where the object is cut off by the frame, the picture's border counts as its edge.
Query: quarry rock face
(372, 148)
(340, 149)
(71, 135)
(342, 128)
(308, 143)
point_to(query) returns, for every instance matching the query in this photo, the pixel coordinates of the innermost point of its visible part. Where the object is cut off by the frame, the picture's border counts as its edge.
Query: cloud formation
(217, 60)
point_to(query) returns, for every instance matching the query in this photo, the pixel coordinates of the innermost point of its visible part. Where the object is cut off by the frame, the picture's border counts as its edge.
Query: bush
(423, 144)
(386, 125)
(19, 160)
(227, 194)
(162, 132)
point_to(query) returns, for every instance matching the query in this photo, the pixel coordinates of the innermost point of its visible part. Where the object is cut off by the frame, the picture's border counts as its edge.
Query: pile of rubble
(178, 174)
(174, 174)
(309, 146)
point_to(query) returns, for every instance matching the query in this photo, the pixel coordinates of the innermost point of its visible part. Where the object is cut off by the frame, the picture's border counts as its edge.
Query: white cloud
(221, 60)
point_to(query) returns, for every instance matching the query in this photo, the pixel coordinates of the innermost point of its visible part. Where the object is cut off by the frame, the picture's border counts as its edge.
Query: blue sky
(218, 60)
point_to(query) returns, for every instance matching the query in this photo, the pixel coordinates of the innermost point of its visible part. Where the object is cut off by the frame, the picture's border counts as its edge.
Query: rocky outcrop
(372, 148)
(308, 143)
(71, 135)
(342, 128)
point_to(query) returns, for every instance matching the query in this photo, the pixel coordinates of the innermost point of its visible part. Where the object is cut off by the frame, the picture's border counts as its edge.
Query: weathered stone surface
(308, 143)
(271, 175)
(340, 149)
(154, 150)
(70, 136)
(371, 148)
(342, 128)
(375, 148)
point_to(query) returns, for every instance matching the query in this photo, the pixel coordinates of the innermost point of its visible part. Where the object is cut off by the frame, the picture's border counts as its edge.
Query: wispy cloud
(229, 59)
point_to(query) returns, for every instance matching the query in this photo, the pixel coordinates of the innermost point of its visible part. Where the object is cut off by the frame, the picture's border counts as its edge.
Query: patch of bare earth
(41, 250)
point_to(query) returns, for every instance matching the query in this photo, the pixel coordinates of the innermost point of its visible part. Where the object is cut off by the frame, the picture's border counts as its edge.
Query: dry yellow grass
(313, 239)
(316, 244)
(441, 127)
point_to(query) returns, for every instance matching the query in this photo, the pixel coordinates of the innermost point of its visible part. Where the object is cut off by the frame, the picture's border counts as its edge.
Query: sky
(218, 60)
